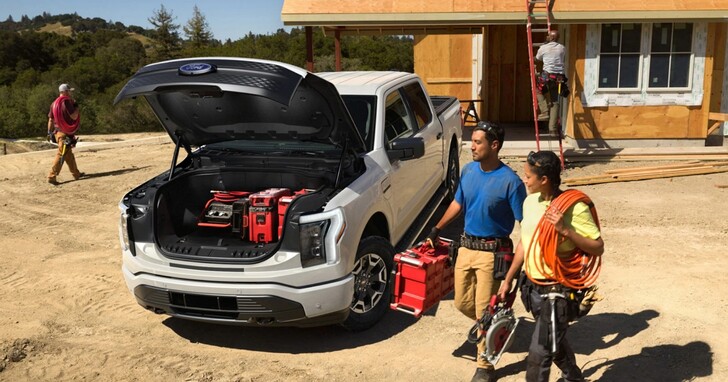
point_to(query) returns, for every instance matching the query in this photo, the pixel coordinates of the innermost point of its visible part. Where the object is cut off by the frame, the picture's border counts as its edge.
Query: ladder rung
(537, 44)
(540, 30)
(537, 1)
(548, 135)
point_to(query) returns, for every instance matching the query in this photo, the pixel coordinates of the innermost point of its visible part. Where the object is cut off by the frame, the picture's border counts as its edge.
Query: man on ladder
(551, 82)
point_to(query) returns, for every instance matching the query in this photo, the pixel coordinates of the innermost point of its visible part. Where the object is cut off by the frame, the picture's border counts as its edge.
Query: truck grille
(237, 308)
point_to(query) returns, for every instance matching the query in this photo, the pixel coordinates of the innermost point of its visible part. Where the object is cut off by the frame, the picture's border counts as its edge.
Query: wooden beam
(447, 80)
(655, 175)
(337, 48)
(309, 49)
(632, 169)
(719, 118)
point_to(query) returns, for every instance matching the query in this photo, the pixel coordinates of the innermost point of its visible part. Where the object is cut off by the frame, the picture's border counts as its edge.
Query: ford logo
(195, 69)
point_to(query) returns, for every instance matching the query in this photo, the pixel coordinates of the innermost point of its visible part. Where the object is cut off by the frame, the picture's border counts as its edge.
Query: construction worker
(552, 304)
(490, 195)
(63, 121)
(552, 55)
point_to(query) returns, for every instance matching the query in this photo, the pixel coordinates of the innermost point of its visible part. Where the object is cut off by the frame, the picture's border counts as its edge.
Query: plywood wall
(507, 84)
(444, 62)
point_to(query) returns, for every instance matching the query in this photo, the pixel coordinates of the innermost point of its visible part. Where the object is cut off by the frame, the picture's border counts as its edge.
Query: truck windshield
(363, 111)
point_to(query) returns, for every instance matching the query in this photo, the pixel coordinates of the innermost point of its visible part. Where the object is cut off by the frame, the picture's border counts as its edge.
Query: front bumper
(244, 304)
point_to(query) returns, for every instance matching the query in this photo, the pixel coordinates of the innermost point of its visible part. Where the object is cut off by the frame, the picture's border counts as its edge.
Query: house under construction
(648, 72)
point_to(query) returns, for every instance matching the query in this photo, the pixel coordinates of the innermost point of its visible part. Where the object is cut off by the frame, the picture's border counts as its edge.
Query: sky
(231, 19)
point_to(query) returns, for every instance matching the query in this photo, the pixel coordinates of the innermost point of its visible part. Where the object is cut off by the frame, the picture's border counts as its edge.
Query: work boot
(483, 375)
(53, 181)
(80, 175)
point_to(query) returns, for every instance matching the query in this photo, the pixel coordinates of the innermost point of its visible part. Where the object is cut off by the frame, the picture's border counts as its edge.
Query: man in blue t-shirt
(491, 197)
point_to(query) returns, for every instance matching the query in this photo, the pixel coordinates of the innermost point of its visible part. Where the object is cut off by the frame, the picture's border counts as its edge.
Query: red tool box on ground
(422, 277)
(263, 214)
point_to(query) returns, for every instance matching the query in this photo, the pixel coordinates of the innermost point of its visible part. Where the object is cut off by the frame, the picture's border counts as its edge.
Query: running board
(409, 237)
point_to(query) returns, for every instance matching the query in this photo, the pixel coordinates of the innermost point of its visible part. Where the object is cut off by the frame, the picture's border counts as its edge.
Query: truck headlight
(313, 243)
(124, 231)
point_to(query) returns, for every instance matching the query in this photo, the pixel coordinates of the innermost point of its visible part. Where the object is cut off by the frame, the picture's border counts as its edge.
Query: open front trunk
(216, 215)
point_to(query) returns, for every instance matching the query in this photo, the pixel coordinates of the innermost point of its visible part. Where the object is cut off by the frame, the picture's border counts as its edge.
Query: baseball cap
(65, 88)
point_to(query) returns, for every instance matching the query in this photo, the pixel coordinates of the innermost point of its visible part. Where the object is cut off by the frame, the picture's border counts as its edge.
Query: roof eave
(478, 19)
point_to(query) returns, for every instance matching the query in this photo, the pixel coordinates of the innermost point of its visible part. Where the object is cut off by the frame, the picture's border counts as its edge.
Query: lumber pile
(647, 154)
(650, 172)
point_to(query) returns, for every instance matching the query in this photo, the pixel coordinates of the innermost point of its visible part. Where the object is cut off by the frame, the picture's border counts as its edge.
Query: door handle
(386, 185)
(439, 135)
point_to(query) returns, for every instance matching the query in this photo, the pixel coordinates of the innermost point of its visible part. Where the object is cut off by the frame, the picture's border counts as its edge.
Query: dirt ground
(66, 314)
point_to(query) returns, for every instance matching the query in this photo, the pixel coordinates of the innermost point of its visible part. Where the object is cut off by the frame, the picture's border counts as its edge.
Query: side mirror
(406, 149)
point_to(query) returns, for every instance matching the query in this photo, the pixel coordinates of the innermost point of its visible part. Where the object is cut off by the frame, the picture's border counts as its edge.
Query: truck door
(428, 128)
(409, 179)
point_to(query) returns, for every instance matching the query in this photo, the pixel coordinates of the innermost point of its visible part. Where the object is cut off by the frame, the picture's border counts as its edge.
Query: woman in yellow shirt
(575, 229)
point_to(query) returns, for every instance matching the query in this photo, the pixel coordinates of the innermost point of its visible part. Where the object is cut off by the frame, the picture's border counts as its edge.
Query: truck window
(362, 110)
(418, 102)
(397, 119)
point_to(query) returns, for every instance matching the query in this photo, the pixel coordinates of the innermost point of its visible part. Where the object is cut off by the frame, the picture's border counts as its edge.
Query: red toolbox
(263, 214)
(422, 277)
(220, 211)
(283, 204)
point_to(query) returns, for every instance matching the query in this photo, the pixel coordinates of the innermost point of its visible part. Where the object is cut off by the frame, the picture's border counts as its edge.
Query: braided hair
(546, 163)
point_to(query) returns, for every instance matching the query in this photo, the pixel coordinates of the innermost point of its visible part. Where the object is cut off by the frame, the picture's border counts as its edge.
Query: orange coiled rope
(577, 270)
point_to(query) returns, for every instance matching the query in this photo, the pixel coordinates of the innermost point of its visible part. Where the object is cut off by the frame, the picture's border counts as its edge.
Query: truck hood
(216, 99)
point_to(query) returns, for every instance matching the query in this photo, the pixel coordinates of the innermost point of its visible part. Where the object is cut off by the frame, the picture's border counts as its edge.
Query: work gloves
(432, 237)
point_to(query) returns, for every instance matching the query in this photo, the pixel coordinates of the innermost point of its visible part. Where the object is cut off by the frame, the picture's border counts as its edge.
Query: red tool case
(263, 212)
(223, 210)
(422, 277)
(283, 204)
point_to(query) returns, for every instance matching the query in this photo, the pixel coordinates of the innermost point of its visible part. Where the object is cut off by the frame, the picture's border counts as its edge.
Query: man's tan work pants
(474, 286)
(66, 153)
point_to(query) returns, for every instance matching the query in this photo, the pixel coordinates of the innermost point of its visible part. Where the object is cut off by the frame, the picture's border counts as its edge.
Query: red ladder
(539, 21)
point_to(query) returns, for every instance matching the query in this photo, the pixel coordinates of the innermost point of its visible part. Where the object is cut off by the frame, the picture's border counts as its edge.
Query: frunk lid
(217, 99)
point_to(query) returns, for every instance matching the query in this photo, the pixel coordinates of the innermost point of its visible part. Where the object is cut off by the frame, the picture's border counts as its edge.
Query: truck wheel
(372, 286)
(453, 174)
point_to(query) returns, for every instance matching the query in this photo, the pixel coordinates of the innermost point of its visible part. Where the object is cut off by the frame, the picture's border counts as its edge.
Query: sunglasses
(488, 130)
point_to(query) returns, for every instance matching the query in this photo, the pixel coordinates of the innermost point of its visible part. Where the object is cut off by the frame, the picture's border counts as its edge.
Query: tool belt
(533, 300)
(488, 244)
(548, 83)
(502, 248)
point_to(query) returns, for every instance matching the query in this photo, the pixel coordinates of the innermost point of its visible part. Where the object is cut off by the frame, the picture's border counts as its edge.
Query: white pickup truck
(361, 160)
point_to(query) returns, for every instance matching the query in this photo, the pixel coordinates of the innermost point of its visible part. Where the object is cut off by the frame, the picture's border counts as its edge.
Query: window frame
(593, 96)
(645, 59)
(670, 54)
(640, 60)
(408, 120)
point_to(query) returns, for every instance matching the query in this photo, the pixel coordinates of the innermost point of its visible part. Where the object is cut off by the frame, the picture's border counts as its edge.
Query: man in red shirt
(63, 121)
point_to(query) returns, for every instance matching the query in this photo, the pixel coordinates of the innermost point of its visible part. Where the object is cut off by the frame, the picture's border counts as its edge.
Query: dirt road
(66, 314)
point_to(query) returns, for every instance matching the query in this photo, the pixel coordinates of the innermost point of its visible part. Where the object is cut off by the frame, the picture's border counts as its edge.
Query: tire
(452, 179)
(372, 285)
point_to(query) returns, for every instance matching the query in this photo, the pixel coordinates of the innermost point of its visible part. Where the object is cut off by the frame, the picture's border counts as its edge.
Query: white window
(644, 64)
(620, 56)
(671, 55)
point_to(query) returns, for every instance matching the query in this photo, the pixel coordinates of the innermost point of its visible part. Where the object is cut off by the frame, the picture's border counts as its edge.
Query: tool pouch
(452, 252)
(501, 264)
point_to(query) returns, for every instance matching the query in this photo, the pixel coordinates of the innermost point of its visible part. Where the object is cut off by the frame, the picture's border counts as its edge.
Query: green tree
(197, 30)
(165, 33)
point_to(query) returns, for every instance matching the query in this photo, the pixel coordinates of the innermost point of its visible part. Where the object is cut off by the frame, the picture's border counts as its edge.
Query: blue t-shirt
(491, 201)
